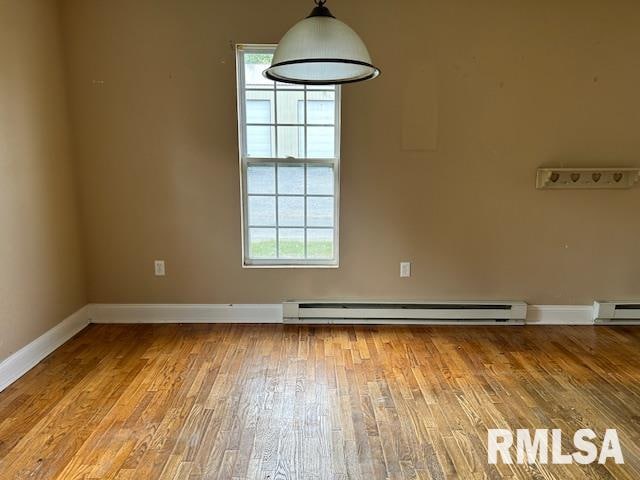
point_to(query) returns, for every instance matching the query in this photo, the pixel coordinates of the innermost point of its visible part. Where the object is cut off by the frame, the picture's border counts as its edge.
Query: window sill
(290, 265)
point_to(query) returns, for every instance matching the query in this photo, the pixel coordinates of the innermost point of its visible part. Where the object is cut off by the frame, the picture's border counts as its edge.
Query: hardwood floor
(272, 401)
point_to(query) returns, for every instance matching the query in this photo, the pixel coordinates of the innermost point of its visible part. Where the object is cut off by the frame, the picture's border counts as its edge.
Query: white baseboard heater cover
(617, 313)
(405, 312)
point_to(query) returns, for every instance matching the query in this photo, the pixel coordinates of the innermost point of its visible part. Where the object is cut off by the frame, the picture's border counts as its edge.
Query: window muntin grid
(288, 220)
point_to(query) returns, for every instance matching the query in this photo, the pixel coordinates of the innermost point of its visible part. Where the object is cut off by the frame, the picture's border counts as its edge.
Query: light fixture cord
(320, 3)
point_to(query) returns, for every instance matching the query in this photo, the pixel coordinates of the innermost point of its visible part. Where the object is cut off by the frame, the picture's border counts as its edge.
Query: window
(289, 154)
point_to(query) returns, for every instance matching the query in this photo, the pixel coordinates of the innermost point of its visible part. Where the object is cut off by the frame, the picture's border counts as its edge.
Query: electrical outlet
(158, 266)
(405, 269)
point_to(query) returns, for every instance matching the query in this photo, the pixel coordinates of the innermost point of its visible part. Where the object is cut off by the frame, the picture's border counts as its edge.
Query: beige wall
(438, 154)
(42, 277)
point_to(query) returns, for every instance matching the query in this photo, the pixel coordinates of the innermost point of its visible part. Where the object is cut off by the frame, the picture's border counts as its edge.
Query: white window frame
(245, 161)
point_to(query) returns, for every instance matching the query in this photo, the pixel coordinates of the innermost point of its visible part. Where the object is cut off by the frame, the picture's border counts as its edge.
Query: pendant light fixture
(321, 50)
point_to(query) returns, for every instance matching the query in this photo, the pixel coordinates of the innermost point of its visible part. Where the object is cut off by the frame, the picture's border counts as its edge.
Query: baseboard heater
(617, 313)
(404, 312)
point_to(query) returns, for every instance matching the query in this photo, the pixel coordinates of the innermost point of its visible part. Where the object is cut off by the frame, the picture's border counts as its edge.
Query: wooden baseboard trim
(272, 313)
(560, 315)
(19, 363)
(185, 313)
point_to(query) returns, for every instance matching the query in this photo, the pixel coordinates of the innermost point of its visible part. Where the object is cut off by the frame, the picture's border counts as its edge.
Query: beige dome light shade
(321, 50)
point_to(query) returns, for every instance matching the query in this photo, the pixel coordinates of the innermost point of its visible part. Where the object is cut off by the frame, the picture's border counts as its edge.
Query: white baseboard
(272, 313)
(559, 315)
(185, 313)
(16, 365)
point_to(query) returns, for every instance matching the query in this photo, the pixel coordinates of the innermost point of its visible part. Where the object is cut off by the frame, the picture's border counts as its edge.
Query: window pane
(321, 87)
(288, 110)
(291, 242)
(291, 211)
(291, 142)
(320, 142)
(290, 179)
(262, 211)
(254, 65)
(320, 243)
(262, 242)
(259, 107)
(320, 211)
(319, 180)
(321, 108)
(288, 86)
(260, 141)
(261, 179)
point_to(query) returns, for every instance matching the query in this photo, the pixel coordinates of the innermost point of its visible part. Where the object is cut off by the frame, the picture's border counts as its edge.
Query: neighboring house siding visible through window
(259, 139)
(289, 151)
(319, 111)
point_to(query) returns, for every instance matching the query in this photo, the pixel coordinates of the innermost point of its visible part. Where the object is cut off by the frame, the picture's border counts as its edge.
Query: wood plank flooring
(300, 402)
